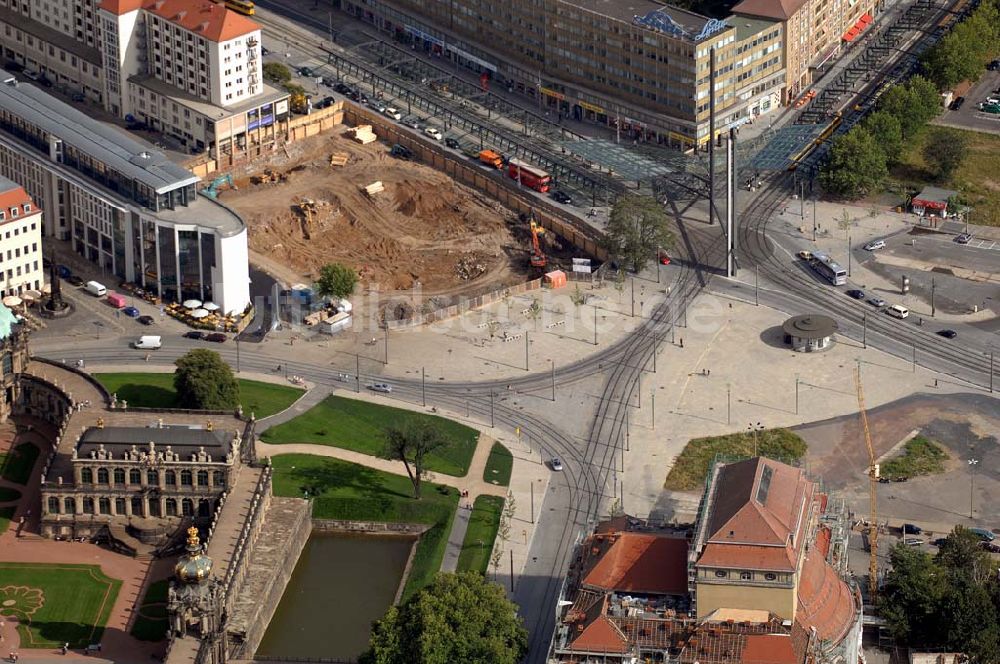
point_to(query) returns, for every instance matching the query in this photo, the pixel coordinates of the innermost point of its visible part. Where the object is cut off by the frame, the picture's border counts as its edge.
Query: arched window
(86, 476)
(53, 505)
(770, 576)
(137, 506)
(70, 505)
(102, 475)
(170, 478)
(88, 505)
(187, 507)
(152, 479)
(134, 476)
(185, 478)
(119, 476)
(218, 478)
(119, 506)
(721, 573)
(104, 504)
(171, 507)
(204, 508)
(202, 478)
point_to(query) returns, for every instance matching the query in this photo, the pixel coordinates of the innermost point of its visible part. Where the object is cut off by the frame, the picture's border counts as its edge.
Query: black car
(993, 66)
(217, 337)
(561, 197)
(147, 320)
(912, 529)
(342, 88)
(947, 334)
(856, 294)
(326, 102)
(74, 280)
(956, 103)
(452, 143)
(194, 334)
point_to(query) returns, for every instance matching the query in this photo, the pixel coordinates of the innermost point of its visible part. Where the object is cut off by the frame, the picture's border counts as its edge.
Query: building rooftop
(103, 142)
(206, 213)
(935, 194)
(209, 19)
(654, 16)
(636, 562)
(825, 603)
(48, 35)
(780, 10)
(202, 107)
(810, 326)
(747, 26)
(11, 194)
(182, 439)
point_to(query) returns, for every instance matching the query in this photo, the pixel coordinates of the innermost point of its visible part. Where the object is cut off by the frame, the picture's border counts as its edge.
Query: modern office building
(642, 66)
(125, 207)
(20, 240)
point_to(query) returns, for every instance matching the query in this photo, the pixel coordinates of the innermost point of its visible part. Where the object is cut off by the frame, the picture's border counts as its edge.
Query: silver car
(556, 464)
(380, 387)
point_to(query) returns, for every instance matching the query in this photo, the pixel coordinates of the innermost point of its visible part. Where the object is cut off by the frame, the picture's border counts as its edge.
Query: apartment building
(20, 240)
(815, 31)
(641, 66)
(124, 206)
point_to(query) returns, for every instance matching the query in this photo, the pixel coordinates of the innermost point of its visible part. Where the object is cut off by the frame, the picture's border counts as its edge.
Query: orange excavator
(538, 258)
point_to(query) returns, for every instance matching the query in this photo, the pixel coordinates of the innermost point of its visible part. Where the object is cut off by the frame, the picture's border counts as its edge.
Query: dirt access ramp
(422, 229)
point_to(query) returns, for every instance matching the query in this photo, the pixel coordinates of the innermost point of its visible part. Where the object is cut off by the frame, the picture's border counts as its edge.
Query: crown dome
(194, 566)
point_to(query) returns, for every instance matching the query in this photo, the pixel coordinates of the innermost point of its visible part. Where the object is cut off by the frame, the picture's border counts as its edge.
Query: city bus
(240, 6)
(529, 175)
(828, 268)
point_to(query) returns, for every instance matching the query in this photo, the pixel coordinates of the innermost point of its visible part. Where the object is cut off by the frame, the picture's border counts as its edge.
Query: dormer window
(721, 573)
(27, 208)
(770, 576)
(13, 212)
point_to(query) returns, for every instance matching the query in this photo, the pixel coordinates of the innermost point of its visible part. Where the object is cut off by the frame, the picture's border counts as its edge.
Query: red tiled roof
(768, 649)
(777, 9)
(202, 17)
(638, 562)
(824, 601)
(595, 632)
(747, 556)
(823, 536)
(13, 196)
(120, 7)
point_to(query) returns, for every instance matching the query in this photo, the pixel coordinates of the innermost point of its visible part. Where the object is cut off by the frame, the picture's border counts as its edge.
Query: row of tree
(963, 53)
(859, 160)
(947, 601)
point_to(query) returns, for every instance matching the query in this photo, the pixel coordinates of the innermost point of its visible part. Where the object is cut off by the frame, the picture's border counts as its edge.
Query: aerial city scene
(500, 331)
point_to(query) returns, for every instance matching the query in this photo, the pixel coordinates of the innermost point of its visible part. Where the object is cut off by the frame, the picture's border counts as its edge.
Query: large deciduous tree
(888, 134)
(636, 229)
(944, 151)
(457, 618)
(336, 280)
(855, 166)
(204, 381)
(411, 443)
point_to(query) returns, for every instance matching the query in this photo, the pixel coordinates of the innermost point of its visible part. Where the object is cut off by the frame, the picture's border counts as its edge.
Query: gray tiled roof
(184, 440)
(101, 141)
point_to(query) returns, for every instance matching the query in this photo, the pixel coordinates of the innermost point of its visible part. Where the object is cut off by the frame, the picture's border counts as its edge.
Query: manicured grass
(7, 494)
(16, 465)
(498, 465)
(482, 532)
(359, 426)
(342, 490)
(692, 466)
(921, 456)
(6, 514)
(977, 178)
(151, 623)
(58, 603)
(156, 390)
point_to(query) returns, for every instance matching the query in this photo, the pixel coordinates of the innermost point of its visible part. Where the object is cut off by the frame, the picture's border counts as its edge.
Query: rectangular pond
(342, 582)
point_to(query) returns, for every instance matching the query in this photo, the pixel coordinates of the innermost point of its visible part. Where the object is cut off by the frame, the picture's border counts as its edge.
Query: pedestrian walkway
(311, 398)
(455, 540)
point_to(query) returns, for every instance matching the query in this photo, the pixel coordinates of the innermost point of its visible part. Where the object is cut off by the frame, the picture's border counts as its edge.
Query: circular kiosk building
(809, 332)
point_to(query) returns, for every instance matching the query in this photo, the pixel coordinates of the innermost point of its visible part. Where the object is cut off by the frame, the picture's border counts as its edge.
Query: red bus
(528, 175)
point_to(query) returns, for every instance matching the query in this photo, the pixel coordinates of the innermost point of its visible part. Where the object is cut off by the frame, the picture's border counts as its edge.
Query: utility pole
(526, 350)
(386, 360)
(532, 487)
(933, 288)
(796, 394)
(423, 387)
(632, 282)
(237, 340)
(802, 198)
(729, 404)
(864, 330)
(991, 371)
(595, 324)
(492, 422)
(848, 255)
(553, 363)
(357, 372)
(652, 410)
(814, 218)
(972, 485)
(914, 346)
(756, 285)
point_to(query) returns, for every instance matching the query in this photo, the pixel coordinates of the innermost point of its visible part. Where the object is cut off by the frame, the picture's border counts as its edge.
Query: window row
(187, 477)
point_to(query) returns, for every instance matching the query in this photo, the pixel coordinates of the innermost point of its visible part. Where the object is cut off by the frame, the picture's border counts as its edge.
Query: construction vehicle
(306, 209)
(491, 158)
(538, 258)
(267, 177)
(401, 151)
(212, 190)
(872, 487)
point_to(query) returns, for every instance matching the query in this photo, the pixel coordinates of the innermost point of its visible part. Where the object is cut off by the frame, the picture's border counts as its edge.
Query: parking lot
(969, 116)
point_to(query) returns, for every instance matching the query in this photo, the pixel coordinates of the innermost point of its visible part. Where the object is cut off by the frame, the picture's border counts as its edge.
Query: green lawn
(977, 178)
(692, 466)
(479, 537)
(6, 514)
(343, 490)
(16, 465)
(7, 494)
(498, 465)
(151, 623)
(921, 456)
(59, 603)
(359, 425)
(156, 390)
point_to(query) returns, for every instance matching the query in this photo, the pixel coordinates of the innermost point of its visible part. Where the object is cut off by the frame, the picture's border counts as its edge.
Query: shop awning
(865, 19)
(858, 27)
(851, 34)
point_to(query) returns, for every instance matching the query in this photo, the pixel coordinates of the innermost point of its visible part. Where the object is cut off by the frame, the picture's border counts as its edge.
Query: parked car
(380, 387)
(147, 342)
(74, 280)
(805, 254)
(434, 133)
(993, 66)
(956, 103)
(992, 547)
(939, 541)
(452, 143)
(877, 302)
(964, 238)
(875, 244)
(856, 294)
(664, 259)
(64, 272)
(305, 71)
(147, 320)
(131, 312)
(561, 197)
(342, 88)
(376, 106)
(411, 123)
(217, 337)
(325, 102)
(32, 75)
(912, 529)
(556, 464)
(983, 534)
(265, 51)
(913, 541)
(947, 334)
(393, 113)
(194, 334)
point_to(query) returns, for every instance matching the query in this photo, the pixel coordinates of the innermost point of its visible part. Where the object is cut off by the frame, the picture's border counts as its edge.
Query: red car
(664, 259)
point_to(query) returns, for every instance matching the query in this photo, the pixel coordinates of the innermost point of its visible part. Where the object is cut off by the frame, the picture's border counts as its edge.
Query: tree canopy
(963, 53)
(410, 444)
(636, 229)
(204, 381)
(944, 151)
(336, 280)
(888, 134)
(277, 72)
(457, 618)
(855, 166)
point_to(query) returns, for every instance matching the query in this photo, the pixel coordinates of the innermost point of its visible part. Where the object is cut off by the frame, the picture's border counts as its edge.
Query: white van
(897, 311)
(147, 342)
(96, 289)
(875, 245)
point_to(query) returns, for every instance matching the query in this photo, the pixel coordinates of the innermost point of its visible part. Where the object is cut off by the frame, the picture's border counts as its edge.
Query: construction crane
(212, 190)
(538, 258)
(872, 486)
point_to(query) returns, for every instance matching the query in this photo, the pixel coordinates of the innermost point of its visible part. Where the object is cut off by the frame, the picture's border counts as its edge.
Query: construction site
(343, 197)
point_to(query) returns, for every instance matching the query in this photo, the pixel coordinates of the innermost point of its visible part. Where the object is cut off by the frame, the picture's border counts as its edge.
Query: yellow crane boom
(872, 486)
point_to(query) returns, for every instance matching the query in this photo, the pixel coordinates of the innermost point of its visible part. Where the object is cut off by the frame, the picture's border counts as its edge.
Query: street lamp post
(972, 485)
(237, 340)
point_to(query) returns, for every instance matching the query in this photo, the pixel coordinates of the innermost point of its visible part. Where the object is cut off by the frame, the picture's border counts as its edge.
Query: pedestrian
(682, 342)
